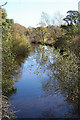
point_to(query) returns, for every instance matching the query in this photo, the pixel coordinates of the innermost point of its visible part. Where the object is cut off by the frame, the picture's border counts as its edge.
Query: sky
(28, 12)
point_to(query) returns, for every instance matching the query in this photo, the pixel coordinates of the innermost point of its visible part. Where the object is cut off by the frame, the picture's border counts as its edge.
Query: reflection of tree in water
(63, 75)
(67, 78)
(67, 75)
(42, 55)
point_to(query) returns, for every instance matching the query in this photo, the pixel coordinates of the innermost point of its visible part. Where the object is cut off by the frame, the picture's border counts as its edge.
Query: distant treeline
(65, 36)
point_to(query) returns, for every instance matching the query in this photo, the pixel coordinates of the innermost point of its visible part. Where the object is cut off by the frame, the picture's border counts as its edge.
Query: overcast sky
(28, 12)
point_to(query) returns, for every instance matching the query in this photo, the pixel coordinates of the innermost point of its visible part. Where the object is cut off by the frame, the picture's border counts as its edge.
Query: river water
(38, 93)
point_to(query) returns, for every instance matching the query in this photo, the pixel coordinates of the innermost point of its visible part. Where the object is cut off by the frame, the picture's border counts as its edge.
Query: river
(39, 94)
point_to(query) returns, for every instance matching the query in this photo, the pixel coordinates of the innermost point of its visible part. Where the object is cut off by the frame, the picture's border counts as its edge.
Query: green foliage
(9, 65)
(68, 75)
(72, 17)
(71, 39)
(21, 46)
(46, 35)
(11, 48)
(4, 14)
(64, 76)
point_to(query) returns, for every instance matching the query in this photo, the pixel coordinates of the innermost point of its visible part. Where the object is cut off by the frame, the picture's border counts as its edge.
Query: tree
(45, 19)
(72, 18)
(58, 19)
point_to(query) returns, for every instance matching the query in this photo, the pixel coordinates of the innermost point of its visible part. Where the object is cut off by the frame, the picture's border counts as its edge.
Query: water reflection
(63, 77)
(48, 85)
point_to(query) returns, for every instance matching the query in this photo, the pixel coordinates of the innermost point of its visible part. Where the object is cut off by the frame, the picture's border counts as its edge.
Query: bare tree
(58, 18)
(45, 20)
